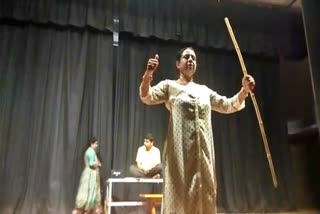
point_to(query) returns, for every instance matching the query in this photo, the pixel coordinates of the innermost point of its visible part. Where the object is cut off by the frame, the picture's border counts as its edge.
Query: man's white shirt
(148, 159)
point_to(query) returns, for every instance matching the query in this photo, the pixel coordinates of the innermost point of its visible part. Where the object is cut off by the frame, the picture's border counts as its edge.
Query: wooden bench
(152, 200)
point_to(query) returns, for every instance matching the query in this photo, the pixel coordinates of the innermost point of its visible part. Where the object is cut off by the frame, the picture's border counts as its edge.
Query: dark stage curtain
(56, 91)
(59, 87)
(259, 30)
(62, 81)
(79, 13)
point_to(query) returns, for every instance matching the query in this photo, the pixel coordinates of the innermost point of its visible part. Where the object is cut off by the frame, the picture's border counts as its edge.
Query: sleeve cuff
(237, 105)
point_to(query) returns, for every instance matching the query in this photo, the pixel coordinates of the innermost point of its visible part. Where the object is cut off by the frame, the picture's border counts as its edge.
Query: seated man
(148, 160)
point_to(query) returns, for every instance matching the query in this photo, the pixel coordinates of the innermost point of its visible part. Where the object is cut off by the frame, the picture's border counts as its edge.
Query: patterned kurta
(89, 195)
(189, 160)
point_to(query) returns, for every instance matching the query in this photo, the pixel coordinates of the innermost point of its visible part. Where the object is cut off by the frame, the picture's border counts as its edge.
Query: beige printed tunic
(189, 161)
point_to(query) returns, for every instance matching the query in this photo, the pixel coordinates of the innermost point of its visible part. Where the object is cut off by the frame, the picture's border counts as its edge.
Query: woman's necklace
(183, 81)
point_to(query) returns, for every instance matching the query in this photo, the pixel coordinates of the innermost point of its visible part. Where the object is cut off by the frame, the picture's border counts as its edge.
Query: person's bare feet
(156, 176)
(76, 211)
(99, 211)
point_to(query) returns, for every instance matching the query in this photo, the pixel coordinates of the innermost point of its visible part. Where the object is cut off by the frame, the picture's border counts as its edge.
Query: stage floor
(297, 212)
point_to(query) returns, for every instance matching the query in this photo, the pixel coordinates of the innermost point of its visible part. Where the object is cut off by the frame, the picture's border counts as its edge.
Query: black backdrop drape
(58, 88)
(56, 91)
(259, 30)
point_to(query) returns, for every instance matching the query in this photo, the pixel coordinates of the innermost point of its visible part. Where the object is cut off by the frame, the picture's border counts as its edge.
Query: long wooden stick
(264, 138)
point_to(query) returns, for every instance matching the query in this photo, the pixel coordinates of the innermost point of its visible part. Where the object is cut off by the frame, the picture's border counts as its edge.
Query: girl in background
(88, 199)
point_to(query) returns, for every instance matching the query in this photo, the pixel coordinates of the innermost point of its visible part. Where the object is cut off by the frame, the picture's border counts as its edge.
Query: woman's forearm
(242, 95)
(145, 84)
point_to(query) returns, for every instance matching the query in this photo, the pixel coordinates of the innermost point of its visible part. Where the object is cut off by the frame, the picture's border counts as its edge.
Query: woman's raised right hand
(153, 63)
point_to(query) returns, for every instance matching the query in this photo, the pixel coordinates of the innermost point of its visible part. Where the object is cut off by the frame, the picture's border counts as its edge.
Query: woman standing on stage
(88, 199)
(189, 160)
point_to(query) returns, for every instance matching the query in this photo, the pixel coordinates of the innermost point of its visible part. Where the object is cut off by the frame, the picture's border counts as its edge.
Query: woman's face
(188, 63)
(94, 145)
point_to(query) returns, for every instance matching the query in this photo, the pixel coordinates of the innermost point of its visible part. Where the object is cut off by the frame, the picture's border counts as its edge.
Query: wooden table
(109, 188)
(152, 201)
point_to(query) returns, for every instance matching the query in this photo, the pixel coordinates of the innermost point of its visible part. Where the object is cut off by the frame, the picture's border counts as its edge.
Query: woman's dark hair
(92, 141)
(179, 54)
(87, 145)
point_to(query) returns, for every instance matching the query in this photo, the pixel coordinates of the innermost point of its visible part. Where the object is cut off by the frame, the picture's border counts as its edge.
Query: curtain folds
(62, 81)
(53, 86)
(59, 87)
(78, 13)
(263, 31)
